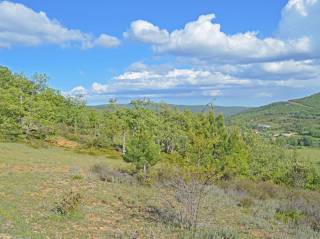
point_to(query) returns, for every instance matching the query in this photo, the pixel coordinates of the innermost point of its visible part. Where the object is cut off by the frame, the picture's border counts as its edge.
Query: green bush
(142, 152)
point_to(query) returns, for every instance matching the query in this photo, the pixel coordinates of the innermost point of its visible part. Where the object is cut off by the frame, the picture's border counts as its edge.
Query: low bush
(183, 199)
(259, 190)
(68, 203)
(111, 175)
(288, 215)
(301, 208)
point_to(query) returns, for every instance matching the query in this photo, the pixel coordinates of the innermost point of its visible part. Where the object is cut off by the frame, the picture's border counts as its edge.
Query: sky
(231, 52)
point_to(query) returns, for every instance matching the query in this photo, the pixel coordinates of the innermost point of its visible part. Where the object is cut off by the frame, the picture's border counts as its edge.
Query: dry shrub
(111, 175)
(302, 207)
(258, 190)
(68, 203)
(182, 198)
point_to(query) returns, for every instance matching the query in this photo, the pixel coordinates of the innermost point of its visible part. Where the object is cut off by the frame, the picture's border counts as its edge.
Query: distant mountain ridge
(225, 110)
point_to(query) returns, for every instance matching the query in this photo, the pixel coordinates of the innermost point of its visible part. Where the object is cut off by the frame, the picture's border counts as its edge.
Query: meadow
(310, 154)
(34, 180)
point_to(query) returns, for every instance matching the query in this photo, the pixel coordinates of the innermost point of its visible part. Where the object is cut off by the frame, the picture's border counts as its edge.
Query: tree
(143, 152)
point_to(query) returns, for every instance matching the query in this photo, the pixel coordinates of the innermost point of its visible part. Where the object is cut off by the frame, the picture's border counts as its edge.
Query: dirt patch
(260, 234)
(65, 143)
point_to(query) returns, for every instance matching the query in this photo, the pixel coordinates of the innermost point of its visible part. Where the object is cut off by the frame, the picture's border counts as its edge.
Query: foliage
(142, 152)
(197, 142)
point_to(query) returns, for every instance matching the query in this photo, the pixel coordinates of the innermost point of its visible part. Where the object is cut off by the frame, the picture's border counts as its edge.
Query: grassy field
(33, 180)
(310, 154)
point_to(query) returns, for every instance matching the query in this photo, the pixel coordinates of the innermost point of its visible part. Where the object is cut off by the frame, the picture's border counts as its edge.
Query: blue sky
(185, 52)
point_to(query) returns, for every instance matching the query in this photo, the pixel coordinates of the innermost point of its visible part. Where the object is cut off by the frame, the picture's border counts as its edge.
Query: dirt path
(299, 104)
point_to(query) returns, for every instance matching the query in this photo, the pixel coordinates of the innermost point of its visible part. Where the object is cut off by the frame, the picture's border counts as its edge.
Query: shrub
(68, 204)
(259, 190)
(301, 208)
(143, 152)
(183, 198)
(110, 175)
(288, 215)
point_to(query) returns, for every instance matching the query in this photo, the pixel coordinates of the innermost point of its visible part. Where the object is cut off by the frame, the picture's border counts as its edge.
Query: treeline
(199, 143)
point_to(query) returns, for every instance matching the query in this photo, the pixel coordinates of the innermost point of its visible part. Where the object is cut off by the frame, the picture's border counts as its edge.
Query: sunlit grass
(33, 180)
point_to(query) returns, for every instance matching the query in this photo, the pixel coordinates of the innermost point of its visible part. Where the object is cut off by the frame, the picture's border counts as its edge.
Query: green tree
(143, 152)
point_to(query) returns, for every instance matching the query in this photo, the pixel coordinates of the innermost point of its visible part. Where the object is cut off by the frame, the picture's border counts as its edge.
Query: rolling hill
(297, 119)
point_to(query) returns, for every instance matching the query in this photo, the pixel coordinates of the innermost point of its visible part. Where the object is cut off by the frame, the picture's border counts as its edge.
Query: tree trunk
(124, 142)
(145, 171)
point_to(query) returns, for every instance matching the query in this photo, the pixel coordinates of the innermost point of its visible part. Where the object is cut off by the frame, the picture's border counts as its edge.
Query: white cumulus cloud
(302, 18)
(175, 82)
(98, 88)
(203, 39)
(147, 32)
(107, 41)
(299, 6)
(20, 25)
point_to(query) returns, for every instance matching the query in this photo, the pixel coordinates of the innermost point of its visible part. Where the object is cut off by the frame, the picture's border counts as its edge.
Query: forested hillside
(188, 157)
(295, 121)
(31, 111)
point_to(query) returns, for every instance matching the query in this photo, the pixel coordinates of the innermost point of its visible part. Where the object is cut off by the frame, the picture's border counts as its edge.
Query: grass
(34, 180)
(310, 154)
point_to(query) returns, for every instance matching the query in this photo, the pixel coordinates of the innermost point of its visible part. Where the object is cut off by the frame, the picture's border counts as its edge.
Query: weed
(77, 177)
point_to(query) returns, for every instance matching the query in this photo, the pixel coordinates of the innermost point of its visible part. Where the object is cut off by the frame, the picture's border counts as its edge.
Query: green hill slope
(297, 121)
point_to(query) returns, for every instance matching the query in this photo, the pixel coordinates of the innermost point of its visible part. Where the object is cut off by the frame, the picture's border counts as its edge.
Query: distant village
(260, 128)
